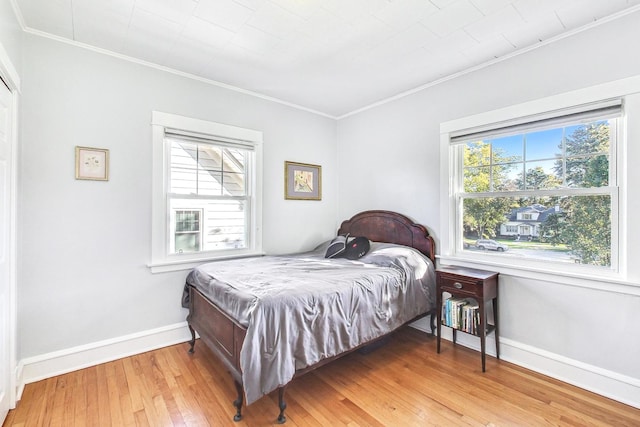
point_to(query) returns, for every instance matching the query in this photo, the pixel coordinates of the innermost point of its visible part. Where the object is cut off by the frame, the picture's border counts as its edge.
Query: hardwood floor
(404, 383)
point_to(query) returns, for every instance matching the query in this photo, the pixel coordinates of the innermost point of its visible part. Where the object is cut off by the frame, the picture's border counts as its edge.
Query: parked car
(485, 244)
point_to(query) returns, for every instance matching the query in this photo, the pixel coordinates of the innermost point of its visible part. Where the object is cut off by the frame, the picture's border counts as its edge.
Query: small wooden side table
(480, 285)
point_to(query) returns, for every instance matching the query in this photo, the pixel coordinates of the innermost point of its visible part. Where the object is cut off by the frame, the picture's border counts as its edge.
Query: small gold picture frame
(92, 163)
(302, 181)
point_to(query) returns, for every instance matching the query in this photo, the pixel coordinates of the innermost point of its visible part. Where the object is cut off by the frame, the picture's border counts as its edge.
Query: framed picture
(92, 163)
(302, 181)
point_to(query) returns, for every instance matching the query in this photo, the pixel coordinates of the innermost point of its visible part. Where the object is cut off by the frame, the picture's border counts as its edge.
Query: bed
(271, 319)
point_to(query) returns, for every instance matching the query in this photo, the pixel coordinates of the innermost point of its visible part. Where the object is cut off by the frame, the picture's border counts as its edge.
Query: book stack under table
(462, 314)
(465, 309)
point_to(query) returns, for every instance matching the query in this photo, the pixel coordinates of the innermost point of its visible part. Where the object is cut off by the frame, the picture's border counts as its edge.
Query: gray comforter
(299, 309)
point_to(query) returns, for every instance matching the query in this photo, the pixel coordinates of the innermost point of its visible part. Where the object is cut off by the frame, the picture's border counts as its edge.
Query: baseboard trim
(616, 386)
(619, 387)
(48, 365)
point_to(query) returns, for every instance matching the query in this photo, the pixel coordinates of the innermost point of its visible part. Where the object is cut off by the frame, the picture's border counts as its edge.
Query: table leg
(439, 321)
(483, 332)
(496, 323)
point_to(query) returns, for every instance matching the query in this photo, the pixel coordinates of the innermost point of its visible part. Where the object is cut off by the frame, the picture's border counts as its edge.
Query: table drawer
(460, 284)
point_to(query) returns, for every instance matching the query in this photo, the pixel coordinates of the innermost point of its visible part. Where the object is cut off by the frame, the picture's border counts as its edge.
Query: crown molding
(170, 70)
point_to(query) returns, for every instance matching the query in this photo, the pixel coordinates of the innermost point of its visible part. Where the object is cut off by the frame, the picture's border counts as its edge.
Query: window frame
(162, 260)
(610, 190)
(451, 252)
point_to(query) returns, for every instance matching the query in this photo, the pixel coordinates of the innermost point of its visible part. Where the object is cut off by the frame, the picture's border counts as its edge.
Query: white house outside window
(207, 191)
(545, 187)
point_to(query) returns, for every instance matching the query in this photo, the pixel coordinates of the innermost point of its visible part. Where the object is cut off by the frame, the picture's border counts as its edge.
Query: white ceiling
(331, 56)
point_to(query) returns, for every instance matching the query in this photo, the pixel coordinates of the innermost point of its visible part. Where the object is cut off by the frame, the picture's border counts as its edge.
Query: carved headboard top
(390, 227)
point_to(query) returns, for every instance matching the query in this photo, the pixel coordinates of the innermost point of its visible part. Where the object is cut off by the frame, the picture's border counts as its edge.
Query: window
(209, 177)
(186, 231)
(207, 189)
(544, 186)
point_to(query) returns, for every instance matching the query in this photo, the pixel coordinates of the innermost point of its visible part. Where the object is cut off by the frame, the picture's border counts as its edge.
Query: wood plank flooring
(404, 383)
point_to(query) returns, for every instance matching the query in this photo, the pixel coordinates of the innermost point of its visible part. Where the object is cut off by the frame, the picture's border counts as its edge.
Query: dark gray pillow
(357, 248)
(336, 247)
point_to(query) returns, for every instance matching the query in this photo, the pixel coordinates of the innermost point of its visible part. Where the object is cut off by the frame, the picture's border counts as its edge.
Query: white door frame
(12, 79)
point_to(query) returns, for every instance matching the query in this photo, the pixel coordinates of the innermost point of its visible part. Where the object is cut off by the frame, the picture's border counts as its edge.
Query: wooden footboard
(224, 337)
(221, 334)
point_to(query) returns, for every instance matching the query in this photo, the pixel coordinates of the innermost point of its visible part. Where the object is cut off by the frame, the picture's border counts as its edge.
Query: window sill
(187, 264)
(611, 283)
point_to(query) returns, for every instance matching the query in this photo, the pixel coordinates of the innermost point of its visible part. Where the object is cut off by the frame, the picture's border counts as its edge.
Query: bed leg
(433, 317)
(238, 402)
(192, 343)
(282, 405)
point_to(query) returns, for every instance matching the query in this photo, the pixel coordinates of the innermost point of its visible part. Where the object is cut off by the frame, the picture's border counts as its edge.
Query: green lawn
(534, 245)
(524, 244)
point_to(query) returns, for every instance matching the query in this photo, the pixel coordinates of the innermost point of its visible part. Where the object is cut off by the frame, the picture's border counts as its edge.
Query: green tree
(485, 170)
(484, 216)
(536, 178)
(552, 229)
(587, 228)
(587, 161)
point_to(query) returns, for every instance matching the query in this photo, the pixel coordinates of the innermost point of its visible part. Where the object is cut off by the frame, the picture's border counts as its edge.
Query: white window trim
(584, 276)
(161, 261)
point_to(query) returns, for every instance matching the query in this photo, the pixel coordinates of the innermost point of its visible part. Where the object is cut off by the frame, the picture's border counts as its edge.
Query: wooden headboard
(390, 227)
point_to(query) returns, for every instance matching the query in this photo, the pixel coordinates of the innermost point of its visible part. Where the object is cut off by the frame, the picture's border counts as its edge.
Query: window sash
(541, 193)
(611, 154)
(246, 237)
(611, 192)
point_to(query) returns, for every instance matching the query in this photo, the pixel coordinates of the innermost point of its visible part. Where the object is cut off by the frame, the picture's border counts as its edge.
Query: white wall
(397, 146)
(10, 34)
(84, 245)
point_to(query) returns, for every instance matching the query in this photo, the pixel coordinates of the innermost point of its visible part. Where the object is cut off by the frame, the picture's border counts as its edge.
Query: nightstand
(460, 313)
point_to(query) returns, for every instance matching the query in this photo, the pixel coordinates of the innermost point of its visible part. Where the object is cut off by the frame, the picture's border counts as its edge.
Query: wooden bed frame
(224, 335)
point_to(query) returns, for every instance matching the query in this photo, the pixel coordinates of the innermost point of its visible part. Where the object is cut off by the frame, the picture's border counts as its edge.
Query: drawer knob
(457, 285)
